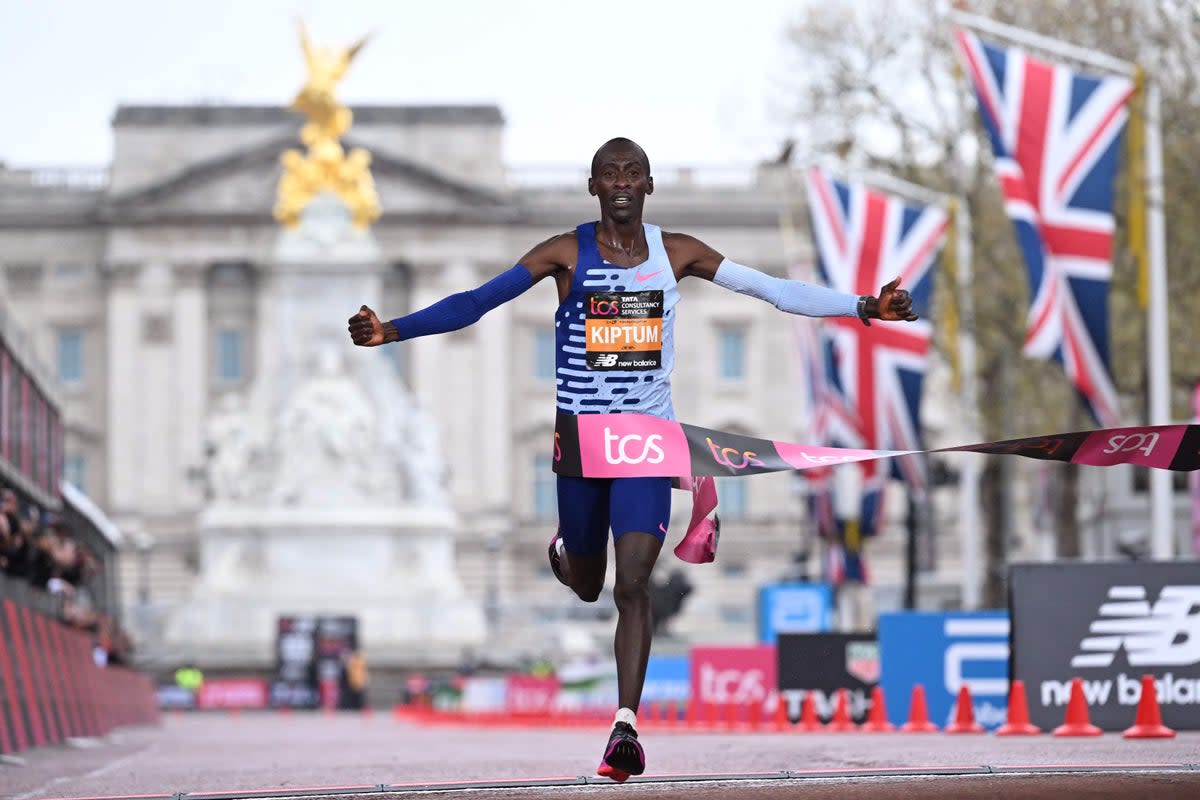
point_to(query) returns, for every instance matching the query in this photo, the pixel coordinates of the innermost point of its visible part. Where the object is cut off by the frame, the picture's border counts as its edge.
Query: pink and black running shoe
(624, 756)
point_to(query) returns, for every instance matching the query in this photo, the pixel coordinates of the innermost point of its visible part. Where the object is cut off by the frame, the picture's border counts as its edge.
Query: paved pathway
(234, 753)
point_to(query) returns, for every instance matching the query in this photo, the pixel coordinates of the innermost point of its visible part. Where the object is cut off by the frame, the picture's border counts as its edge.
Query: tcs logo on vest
(603, 308)
(632, 448)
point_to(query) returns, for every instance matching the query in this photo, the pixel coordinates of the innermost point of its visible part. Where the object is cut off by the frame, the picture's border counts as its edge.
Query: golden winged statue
(325, 166)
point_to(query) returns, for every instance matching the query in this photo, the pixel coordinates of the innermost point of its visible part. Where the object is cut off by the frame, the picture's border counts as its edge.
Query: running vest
(615, 332)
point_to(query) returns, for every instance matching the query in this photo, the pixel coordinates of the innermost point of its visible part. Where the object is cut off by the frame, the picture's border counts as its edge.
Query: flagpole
(889, 183)
(1162, 537)
(1162, 518)
(972, 470)
(1021, 36)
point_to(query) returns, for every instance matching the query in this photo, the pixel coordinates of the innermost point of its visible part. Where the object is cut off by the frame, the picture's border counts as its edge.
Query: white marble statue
(324, 441)
(235, 445)
(425, 470)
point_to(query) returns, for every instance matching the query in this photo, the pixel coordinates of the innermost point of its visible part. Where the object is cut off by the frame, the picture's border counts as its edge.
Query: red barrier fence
(51, 688)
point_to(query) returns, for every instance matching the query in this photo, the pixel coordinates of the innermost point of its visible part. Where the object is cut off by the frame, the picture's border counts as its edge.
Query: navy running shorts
(588, 507)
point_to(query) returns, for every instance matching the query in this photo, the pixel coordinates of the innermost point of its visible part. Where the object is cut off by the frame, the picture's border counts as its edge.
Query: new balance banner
(822, 663)
(638, 445)
(944, 652)
(1108, 624)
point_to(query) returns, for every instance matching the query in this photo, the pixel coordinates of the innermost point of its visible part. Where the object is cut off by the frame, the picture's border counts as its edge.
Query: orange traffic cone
(1018, 723)
(782, 723)
(655, 714)
(964, 714)
(754, 715)
(877, 721)
(809, 721)
(1076, 722)
(918, 714)
(840, 721)
(731, 716)
(1148, 723)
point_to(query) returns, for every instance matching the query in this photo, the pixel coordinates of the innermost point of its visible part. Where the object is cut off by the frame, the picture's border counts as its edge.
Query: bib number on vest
(624, 330)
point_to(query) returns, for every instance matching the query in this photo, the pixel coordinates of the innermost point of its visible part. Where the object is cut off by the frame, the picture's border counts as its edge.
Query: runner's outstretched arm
(459, 310)
(690, 256)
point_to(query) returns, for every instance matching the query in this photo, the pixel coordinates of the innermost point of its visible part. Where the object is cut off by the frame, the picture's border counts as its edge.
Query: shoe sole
(622, 761)
(607, 771)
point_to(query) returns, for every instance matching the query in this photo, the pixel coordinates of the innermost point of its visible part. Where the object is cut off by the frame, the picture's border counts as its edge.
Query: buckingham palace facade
(138, 285)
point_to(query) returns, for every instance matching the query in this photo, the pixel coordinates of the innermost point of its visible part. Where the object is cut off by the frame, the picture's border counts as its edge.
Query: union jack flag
(1056, 136)
(866, 389)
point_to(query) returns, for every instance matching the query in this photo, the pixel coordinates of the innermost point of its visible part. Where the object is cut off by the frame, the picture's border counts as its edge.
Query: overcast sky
(691, 81)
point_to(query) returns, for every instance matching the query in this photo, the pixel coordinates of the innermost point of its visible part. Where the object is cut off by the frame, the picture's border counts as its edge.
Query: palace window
(230, 360)
(731, 350)
(543, 355)
(75, 471)
(70, 357)
(731, 494)
(545, 495)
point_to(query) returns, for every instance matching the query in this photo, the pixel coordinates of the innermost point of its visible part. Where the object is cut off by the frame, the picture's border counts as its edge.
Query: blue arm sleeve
(465, 308)
(794, 297)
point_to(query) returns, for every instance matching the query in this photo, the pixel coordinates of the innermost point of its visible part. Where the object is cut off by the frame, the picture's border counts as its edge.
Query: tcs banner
(944, 652)
(738, 676)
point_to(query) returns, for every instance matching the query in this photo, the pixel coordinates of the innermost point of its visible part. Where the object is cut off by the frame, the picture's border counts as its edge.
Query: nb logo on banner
(1165, 634)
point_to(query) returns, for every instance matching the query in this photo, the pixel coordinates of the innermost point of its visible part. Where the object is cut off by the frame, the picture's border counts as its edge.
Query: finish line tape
(641, 446)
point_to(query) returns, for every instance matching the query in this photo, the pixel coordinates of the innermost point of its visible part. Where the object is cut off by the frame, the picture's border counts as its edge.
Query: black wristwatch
(862, 309)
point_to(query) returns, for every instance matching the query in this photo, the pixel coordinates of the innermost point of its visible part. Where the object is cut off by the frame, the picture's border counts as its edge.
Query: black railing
(24, 593)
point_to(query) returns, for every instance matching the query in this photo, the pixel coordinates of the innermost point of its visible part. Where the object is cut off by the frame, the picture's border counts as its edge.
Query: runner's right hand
(365, 328)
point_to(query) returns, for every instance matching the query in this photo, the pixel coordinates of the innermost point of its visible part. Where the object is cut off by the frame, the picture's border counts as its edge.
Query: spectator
(15, 535)
(354, 680)
(43, 550)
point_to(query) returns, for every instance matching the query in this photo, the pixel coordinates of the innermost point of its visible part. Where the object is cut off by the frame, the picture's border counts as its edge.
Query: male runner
(617, 287)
